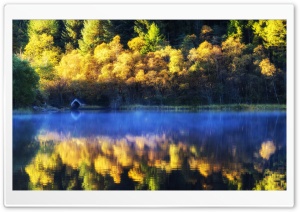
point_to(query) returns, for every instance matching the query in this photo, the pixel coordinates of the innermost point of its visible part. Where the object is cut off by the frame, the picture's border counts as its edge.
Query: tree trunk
(266, 90)
(275, 91)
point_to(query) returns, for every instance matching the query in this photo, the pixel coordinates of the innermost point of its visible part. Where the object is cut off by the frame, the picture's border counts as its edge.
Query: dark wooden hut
(75, 104)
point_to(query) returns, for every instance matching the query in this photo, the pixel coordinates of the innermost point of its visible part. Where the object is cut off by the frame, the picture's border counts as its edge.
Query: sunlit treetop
(72, 33)
(141, 27)
(136, 44)
(94, 32)
(49, 27)
(235, 29)
(273, 32)
(233, 47)
(267, 68)
(70, 66)
(206, 33)
(153, 39)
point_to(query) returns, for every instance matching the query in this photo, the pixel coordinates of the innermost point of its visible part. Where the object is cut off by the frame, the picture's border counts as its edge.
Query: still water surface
(148, 150)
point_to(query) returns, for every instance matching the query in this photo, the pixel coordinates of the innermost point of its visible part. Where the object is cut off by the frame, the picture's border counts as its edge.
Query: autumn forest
(111, 63)
(142, 83)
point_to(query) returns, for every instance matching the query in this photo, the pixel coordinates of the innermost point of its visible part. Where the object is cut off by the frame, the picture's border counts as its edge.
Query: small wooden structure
(75, 104)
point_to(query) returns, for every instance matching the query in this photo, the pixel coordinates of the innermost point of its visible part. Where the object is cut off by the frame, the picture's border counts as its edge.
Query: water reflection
(75, 114)
(267, 149)
(161, 159)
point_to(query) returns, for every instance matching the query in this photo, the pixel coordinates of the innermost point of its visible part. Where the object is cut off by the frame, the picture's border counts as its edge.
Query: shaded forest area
(149, 62)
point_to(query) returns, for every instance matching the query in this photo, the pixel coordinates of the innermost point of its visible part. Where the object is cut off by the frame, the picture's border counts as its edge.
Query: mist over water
(149, 150)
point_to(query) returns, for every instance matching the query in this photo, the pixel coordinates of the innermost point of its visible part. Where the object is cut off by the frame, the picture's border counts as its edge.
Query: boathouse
(75, 104)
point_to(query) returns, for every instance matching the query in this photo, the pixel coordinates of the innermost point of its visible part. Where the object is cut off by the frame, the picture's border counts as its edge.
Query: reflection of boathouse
(75, 114)
(75, 104)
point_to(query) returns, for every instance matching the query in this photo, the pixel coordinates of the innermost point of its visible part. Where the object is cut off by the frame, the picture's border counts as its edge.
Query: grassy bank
(229, 107)
(92, 107)
(23, 111)
(29, 110)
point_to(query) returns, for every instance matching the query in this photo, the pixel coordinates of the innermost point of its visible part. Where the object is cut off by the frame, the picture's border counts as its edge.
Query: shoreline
(229, 107)
(186, 108)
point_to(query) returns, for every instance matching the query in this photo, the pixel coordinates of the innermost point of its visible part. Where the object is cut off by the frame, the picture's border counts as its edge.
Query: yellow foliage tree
(204, 58)
(70, 67)
(43, 55)
(273, 32)
(232, 47)
(267, 68)
(140, 76)
(41, 50)
(91, 70)
(136, 44)
(175, 58)
(108, 53)
(106, 73)
(176, 61)
(155, 61)
(102, 54)
(123, 67)
(206, 33)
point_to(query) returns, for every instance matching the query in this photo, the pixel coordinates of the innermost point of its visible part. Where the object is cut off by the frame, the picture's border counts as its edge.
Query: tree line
(151, 62)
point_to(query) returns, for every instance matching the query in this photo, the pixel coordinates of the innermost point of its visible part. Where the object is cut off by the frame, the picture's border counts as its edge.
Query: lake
(149, 150)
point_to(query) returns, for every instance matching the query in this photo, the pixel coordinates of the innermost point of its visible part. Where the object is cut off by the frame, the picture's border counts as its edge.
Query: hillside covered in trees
(111, 63)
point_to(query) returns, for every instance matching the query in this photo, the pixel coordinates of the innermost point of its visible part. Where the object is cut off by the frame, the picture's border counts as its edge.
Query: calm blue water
(144, 150)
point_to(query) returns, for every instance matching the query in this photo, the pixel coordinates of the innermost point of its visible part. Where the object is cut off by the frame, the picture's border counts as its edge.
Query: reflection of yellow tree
(173, 151)
(136, 174)
(153, 185)
(147, 157)
(175, 161)
(164, 165)
(234, 176)
(267, 149)
(116, 172)
(41, 170)
(74, 153)
(122, 153)
(272, 181)
(232, 172)
(89, 178)
(104, 166)
(202, 165)
(140, 145)
(43, 138)
(105, 146)
(204, 168)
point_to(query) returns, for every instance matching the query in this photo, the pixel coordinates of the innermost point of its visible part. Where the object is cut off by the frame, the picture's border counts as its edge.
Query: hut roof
(77, 102)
